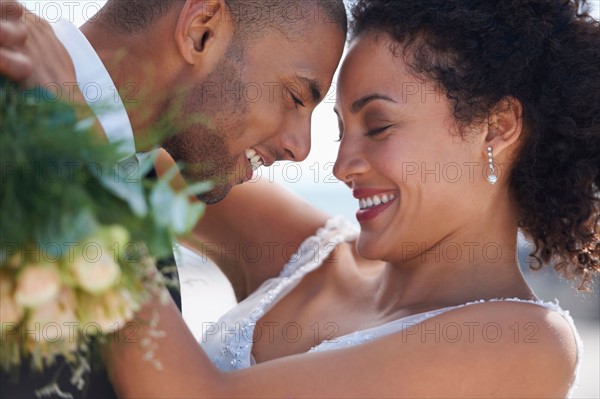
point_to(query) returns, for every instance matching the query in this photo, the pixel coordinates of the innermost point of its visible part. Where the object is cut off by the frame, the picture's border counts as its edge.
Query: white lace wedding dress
(228, 342)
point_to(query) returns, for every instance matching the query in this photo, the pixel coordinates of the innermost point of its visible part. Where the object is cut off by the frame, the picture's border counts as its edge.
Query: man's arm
(253, 232)
(257, 229)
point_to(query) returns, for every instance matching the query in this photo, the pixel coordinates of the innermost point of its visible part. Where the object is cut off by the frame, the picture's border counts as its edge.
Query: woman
(503, 96)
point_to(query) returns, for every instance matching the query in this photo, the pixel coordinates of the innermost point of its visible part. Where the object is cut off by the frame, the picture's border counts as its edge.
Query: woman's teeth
(255, 160)
(375, 200)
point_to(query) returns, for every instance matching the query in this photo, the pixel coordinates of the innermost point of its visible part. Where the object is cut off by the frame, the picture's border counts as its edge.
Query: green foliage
(63, 186)
(60, 181)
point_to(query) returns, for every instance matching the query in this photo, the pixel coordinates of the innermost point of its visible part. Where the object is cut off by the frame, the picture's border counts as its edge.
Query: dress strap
(230, 341)
(315, 249)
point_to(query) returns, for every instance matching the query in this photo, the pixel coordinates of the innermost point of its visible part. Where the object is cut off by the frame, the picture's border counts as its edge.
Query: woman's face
(400, 142)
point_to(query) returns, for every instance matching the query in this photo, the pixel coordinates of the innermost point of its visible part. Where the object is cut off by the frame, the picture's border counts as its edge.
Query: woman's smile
(373, 201)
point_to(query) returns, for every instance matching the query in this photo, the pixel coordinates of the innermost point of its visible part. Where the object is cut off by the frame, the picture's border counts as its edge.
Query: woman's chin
(367, 247)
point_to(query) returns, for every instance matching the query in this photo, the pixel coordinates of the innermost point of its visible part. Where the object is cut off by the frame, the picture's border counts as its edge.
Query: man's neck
(131, 69)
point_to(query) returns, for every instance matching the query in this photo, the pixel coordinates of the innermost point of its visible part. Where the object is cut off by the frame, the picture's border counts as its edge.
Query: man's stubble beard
(203, 149)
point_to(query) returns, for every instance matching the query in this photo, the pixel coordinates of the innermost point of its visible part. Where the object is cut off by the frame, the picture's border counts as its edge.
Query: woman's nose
(350, 162)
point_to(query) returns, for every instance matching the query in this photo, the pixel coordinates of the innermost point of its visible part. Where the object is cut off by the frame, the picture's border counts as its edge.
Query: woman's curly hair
(544, 53)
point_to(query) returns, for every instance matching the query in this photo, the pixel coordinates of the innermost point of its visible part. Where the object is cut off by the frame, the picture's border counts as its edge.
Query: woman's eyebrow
(361, 102)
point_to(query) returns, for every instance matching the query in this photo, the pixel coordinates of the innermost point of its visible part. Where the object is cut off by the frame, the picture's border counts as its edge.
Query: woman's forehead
(370, 67)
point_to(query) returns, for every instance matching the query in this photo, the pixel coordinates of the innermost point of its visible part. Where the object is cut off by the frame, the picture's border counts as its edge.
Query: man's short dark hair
(133, 16)
(250, 17)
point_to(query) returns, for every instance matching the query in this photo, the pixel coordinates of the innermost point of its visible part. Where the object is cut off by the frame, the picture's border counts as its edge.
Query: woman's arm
(253, 232)
(451, 355)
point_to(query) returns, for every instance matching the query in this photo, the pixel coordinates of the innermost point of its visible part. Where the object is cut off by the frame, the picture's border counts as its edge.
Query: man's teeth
(255, 160)
(375, 200)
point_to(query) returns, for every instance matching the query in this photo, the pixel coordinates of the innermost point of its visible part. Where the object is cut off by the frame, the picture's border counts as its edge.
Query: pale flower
(108, 312)
(96, 275)
(37, 284)
(10, 311)
(55, 320)
(5, 284)
(16, 260)
(115, 237)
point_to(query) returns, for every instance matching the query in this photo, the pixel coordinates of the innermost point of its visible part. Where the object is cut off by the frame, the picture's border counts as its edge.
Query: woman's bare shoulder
(510, 348)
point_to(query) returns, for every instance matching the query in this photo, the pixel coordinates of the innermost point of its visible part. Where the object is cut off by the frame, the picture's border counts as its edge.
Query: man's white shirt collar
(97, 86)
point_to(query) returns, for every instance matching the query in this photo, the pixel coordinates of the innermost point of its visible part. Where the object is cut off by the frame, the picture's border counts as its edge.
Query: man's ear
(203, 32)
(505, 125)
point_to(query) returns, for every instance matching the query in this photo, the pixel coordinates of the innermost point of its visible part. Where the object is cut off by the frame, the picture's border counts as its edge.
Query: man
(234, 81)
(214, 58)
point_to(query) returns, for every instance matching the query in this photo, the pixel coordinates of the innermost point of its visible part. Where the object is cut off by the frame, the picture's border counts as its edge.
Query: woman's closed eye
(376, 131)
(370, 133)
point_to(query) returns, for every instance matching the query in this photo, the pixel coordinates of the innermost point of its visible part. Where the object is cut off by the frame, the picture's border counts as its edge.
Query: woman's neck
(476, 262)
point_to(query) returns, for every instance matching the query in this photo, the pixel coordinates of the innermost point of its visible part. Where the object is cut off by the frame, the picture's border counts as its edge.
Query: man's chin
(215, 195)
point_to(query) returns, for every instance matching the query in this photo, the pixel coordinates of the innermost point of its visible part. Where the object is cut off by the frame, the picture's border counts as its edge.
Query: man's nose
(296, 141)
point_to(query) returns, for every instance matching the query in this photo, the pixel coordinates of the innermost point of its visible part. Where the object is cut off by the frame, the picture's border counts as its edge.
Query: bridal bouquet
(79, 232)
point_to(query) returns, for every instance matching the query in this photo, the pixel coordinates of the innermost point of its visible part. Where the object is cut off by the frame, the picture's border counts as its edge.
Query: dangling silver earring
(492, 178)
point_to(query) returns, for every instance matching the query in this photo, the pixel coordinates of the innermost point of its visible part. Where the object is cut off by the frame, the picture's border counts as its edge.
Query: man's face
(256, 107)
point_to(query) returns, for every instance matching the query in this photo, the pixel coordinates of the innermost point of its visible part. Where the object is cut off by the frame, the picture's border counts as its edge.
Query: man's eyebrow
(361, 102)
(314, 88)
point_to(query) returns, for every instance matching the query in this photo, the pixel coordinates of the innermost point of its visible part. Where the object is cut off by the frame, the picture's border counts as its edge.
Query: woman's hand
(31, 54)
(15, 63)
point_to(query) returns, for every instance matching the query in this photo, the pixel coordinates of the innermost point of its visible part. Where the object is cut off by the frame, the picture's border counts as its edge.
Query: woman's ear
(505, 125)
(203, 32)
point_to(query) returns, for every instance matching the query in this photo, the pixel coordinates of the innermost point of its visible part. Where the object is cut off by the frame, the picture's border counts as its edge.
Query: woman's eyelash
(377, 131)
(369, 133)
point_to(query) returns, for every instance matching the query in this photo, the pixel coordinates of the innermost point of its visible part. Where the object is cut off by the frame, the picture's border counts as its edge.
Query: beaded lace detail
(229, 341)
(233, 334)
